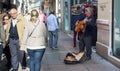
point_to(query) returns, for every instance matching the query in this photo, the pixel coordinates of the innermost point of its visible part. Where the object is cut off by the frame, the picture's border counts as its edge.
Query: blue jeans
(53, 38)
(1, 50)
(35, 59)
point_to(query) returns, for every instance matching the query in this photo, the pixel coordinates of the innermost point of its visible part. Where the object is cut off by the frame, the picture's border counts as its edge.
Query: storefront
(116, 29)
(108, 23)
(66, 15)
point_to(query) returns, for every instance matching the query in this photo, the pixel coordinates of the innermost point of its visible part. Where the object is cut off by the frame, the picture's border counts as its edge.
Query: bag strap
(33, 30)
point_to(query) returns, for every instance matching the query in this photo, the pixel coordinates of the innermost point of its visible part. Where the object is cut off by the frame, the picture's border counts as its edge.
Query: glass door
(116, 29)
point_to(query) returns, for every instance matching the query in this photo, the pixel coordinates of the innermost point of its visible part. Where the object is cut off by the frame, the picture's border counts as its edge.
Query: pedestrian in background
(35, 40)
(5, 20)
(2, 40)
(76, 15)
(27, 16)
(52, 26)
(6, 50)
(14, 35)
(42, 16)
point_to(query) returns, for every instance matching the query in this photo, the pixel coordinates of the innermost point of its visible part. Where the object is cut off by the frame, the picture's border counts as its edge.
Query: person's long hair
(34, 16)
(3, 18)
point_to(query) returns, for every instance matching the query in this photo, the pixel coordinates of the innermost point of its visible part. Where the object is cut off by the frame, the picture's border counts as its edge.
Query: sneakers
(23, 67)
(55, 48)
(93, 48)
(14, 70)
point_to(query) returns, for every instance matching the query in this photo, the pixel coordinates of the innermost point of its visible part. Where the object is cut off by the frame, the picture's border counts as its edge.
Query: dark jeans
(85, 44)
(81, 41)
(6, 51)
(1, 50)
(74, 38)
(23, 59)
(35, 58)
(53, 38)
(16, 54)
(94, 37)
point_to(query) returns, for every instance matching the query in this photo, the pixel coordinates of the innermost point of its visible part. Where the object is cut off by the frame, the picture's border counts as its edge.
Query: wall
(104, 9)
(104, 24)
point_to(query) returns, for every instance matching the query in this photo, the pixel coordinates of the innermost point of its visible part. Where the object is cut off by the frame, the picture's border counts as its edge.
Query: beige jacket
(20, 27)
(38, 37)
(2, 35)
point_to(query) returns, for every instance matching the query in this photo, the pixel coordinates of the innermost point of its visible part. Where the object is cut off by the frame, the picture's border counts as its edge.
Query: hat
(89, 9)
(77, 12)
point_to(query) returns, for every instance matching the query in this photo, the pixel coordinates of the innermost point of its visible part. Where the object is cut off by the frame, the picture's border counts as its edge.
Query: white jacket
(38, 37)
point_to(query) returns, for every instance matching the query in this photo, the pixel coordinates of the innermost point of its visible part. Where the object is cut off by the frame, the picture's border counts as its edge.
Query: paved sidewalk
(53, 59)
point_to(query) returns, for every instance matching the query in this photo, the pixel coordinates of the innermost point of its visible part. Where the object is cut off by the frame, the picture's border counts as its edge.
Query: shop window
(116, 29)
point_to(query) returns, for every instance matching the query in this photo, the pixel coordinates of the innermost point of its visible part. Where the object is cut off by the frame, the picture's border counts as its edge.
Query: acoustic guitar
(81, 24)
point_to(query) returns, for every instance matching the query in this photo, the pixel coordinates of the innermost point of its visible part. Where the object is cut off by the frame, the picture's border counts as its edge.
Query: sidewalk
(53, 59)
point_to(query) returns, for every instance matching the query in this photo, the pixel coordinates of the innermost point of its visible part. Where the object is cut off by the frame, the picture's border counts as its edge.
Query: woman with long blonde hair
(35, 40)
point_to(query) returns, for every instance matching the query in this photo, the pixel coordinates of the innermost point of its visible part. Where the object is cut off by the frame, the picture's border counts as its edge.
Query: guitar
(81, 24)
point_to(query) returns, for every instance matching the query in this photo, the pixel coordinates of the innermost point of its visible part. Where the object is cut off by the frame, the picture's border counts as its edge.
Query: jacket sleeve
(2, 35)
(25, 37)
(45, 33)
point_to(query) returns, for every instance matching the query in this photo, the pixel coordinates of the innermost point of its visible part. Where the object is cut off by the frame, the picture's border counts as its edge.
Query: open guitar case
(75, 58)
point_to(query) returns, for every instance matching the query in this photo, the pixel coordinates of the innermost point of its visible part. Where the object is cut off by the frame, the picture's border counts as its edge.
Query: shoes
(93, 49)
(88, 58)
(14, 70)
(8, 65)
(74, 46)
(23, 67)
(55, 48)
(81, 51)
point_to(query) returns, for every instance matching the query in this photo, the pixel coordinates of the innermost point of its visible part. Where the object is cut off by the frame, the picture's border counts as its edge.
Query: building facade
(66, 6)
(108, 26)
(108, 43)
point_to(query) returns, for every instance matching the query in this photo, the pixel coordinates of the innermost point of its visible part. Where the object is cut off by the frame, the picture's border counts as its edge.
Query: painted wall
(104, 9)
(104, 24)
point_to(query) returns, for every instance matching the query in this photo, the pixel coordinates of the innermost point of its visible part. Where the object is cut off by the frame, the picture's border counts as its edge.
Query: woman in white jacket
(35, 40)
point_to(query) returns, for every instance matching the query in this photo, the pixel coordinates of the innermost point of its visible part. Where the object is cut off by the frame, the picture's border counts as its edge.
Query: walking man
(52, 26)
(14, 34)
